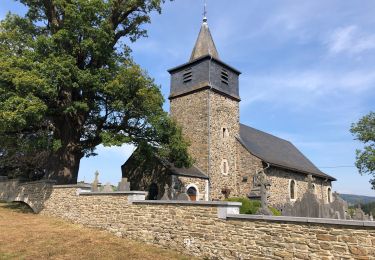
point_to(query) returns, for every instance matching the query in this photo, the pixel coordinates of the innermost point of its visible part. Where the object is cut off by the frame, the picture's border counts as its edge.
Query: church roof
(205, 44)
(193, 171)
(277, 152)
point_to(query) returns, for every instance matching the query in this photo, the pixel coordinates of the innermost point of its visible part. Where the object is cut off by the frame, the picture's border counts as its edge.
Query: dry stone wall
(202, 229)
(197, 230)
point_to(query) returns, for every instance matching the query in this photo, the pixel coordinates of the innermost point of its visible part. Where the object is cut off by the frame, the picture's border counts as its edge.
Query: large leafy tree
(68, 83)
(364, 131)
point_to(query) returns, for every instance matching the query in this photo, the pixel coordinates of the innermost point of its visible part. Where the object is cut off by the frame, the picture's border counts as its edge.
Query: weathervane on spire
(205, 11)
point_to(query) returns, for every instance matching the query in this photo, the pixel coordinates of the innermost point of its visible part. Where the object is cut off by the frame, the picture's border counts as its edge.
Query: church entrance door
(192, 193)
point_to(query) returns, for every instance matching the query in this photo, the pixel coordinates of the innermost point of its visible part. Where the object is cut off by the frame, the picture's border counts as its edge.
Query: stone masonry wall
(247, 165)
(199, 183)
(191, 113)
(197, 230)
(32, 193)
(224, 113)
(279, 190)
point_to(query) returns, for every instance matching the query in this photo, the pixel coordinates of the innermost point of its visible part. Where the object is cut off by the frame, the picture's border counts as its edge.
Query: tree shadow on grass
(16, 206)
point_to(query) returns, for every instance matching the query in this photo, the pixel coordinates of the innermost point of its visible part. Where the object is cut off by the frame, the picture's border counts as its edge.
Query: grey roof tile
(277, 151)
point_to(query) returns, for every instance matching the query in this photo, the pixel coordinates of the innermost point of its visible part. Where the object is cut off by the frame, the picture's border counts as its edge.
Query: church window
(188, 75)
(225, 132)
(292, 189)
(314, 188)
(329, 195)
(224, 167)
(225, 77)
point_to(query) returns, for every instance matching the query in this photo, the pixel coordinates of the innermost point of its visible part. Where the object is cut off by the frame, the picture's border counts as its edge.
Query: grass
(24, 235)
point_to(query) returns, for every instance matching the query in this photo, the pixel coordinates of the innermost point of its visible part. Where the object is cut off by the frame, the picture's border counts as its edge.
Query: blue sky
(308, 72)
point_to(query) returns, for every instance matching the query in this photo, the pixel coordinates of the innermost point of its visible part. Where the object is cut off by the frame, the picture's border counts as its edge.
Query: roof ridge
(267, 133)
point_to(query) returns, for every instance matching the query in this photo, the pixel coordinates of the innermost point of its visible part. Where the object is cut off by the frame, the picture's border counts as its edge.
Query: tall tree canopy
(364, 131)
(68, 84)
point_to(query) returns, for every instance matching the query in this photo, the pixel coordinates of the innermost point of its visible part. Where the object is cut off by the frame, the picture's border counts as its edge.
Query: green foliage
(368, 208)
(65, 73)
(275, 212)
(364, 131)
(252, 206)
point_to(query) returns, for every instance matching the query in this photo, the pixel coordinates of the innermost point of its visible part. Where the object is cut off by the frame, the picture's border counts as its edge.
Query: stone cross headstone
(108, 187)
(263, 182)
(359, 214)
(94, 185)
(166, 195)
(182, 196)
(310, 185)
(124, 185)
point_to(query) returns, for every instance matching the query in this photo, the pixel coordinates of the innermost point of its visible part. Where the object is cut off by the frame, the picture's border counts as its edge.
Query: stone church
(204, 100)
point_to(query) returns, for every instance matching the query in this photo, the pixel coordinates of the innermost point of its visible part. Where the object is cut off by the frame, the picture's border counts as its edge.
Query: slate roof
(277, 152)
(193, 171)
(205, 44)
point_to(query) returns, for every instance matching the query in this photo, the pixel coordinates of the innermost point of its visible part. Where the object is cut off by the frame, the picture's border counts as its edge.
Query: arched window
(329, 195)
(292, 190)
(192, 192)
(225, 132)
(314, 188)
(224, 167)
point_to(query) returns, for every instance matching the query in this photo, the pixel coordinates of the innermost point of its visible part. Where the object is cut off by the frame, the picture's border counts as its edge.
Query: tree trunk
(63, 166)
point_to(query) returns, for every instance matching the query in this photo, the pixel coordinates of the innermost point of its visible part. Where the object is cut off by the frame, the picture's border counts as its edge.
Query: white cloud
(350, 39)
(304, 87)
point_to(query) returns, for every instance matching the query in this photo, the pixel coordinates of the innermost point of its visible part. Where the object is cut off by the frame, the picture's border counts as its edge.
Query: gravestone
(123, 185)
(94, 185)
(263, 182)
(108, 188)
(167, 193)
(182, 196)
(339, 206)
(308, 206)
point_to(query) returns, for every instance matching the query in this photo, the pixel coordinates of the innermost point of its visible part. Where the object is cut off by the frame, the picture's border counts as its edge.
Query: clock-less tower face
(204, 101)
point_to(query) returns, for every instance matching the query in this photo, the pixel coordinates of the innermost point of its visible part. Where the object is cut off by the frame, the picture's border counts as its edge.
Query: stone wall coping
(66, 186)
(115, 193)
(193, 203)
(303, 220)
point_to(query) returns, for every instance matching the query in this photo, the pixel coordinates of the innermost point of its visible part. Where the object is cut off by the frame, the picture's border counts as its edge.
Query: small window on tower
(224, 167)
(225, 77)
(188, 75)
(225, 132)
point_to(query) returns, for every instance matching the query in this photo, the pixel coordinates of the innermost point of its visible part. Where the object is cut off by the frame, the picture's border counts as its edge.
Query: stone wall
(224, 113)
(32, 193)
(191, 113)
(279, 190)
(212, 230)
(247, 165)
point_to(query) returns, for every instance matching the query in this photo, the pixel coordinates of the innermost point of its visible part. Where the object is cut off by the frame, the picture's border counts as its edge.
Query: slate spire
(205, 44)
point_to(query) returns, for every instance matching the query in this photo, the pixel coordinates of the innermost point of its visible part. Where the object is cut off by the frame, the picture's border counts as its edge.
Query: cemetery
(211, 229)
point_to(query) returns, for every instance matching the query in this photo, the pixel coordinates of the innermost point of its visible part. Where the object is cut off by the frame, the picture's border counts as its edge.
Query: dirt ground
(24, 235)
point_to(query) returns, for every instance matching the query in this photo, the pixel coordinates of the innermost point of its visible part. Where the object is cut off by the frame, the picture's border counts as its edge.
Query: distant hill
(355, 199)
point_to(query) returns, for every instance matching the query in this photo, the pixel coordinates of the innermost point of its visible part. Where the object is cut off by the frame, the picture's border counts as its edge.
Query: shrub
(252, 206)
(275, 212)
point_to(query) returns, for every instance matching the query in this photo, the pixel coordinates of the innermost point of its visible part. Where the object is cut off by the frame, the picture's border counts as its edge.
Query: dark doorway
(153, 191)
(192, 193)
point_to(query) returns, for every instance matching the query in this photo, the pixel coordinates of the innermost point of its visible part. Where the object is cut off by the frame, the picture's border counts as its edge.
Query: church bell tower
(204, 100)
